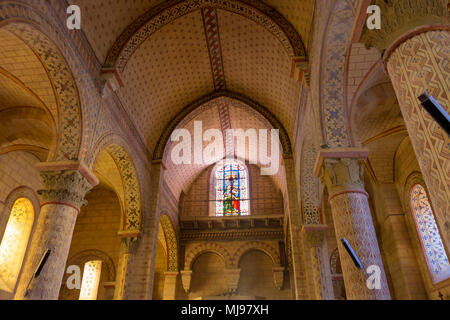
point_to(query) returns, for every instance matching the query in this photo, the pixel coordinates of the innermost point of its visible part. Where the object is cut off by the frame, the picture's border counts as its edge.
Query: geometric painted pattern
(332, 92)
(429, 235)
(172, 243)
(131, 187)
(211, 24)
(309, 184)
(417, 65)
(154, 19)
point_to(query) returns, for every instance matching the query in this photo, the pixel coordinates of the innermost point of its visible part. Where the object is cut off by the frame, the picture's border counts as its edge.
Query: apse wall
(265, 198)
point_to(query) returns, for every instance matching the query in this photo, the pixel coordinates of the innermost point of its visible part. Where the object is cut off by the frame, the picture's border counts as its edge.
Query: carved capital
(186, 277)
(314, 234)
(401, 17)
(128, 240)
(278, 277)
(342, 174)
(66, 182)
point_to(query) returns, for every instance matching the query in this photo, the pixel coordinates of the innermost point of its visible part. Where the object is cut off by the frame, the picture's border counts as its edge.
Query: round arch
(168, 11)
(35, 31)
(237, 100)
(195, 252)
(256, 245)
(113, 144)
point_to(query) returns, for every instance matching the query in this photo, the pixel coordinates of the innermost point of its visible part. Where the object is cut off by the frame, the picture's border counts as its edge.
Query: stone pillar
(232, 277)
(415, 47)
(186, 277)
(342, 170)
(323, 286)
(66, 184)
(170, 285)
(128, 241)
(298, 263)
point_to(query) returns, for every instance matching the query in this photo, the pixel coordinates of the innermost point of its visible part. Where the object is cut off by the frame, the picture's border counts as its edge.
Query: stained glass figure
(231, 190)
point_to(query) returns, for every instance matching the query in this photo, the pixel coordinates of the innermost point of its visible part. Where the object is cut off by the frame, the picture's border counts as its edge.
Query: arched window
(14, 243)
(91, 280)
(429, 235)
(231, 188)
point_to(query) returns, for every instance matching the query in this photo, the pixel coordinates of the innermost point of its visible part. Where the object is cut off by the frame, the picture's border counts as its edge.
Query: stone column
(170, 285)
(66, 184)
(323, 285)
(415, 55)
(342, 170)
(298, 263)
(128, 241)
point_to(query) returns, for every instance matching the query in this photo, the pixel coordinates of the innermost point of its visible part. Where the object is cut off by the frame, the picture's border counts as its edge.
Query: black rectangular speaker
(436, 111)
(352, 253)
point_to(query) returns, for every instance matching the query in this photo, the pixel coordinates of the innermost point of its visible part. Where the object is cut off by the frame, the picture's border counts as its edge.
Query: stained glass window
(91, 280)
(14, 243)
(429, 235)
(231, 189)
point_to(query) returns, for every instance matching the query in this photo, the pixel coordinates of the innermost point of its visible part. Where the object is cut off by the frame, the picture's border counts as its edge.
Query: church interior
(100, 200)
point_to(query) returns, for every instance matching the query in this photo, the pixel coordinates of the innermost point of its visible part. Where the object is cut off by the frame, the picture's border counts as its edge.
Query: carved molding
(401, 17)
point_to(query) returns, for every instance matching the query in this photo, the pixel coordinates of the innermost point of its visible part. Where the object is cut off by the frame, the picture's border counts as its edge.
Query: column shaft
(342, 170)
(66, 185)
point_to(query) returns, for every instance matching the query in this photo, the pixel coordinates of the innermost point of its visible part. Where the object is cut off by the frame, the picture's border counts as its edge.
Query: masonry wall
(257, 277)
(96, 229)
(17, 170)
(405, 164)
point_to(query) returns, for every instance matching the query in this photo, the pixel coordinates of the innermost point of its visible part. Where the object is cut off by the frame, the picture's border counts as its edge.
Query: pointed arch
(237, 100)
(168, 11)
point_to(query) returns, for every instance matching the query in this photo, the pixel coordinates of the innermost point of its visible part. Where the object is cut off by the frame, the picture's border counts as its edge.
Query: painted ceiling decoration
(214, 99)
(168, 11)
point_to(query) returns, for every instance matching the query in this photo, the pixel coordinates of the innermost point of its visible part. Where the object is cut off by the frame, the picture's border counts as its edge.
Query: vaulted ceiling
(245, 47)
(28, 106)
